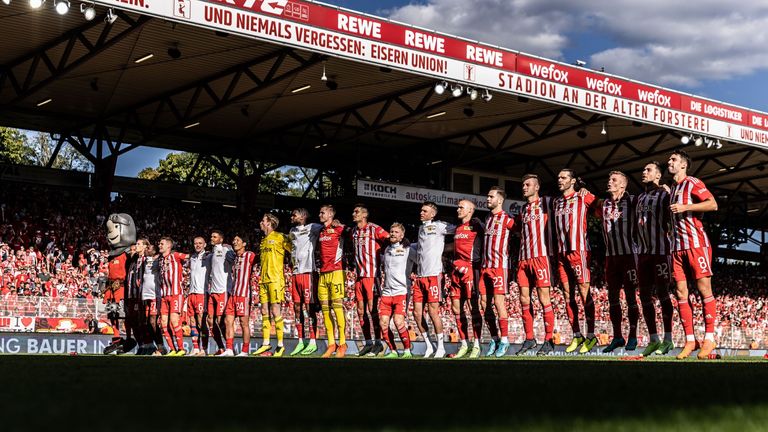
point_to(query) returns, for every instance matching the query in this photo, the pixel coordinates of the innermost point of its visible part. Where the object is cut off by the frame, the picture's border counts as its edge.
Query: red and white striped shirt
(367, 243)
(652, 217)
(241, 272)
(533, 222)
(496, 246)
(172, 274)
(618, 225)
(687, 229)
(571, 221)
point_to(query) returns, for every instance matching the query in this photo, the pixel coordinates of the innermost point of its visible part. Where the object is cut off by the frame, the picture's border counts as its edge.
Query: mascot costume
(121, 235)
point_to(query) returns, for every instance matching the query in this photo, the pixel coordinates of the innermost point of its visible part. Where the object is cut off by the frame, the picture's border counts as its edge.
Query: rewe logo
(604, 86)
(549, 73)
(274, 6)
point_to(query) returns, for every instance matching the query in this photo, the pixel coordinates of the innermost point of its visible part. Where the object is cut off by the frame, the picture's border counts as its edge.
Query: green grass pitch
(213, 394)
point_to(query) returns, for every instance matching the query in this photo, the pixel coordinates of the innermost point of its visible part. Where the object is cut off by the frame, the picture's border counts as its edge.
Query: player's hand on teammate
(678, 208)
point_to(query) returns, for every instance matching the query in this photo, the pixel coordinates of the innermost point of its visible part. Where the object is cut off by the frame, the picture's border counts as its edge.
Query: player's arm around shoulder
(229, 255)
(448, 228)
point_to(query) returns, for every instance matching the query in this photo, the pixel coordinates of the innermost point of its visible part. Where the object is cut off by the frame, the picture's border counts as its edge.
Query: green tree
(14, 147)
(176, 167)
(36, 148)
(68, 158)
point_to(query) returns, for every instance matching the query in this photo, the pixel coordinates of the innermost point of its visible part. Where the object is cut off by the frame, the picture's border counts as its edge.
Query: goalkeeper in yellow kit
(273, 248)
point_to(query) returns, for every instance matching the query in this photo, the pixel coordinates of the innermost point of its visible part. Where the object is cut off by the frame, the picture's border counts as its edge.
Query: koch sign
(352, 35)
(413, 194)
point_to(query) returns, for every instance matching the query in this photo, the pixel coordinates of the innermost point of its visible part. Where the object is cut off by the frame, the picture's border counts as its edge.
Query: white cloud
(661, 41)
(516, 24)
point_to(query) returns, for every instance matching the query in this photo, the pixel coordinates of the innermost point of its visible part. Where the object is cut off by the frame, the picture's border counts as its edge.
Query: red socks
(504, 326)
(179, 333)
(168, 338)
(404, 337)
(461, 325)
(549, 322)
(527, 320)
(710, 309)
(686, 316)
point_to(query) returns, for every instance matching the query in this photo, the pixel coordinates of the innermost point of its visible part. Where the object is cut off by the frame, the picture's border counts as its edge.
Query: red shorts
(495, 278)
(171, 304)
(216, 304)
(303, 288)
(114, 295)
(150, 307)
(462, 280)
(364, 289)
(196, 304)
(693, 263)
(534, 272)
(392, 305)
(427, 289)
(238, 306)
(620, 271)
(574, 264)
(652, 270)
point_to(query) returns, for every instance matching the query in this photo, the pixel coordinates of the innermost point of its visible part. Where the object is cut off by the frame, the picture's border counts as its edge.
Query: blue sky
(711, 48)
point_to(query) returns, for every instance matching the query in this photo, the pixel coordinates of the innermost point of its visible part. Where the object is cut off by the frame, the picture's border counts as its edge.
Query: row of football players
(647, 237)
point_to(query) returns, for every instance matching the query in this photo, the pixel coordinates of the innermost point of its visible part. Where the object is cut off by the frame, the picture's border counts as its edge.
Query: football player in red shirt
(691, 250)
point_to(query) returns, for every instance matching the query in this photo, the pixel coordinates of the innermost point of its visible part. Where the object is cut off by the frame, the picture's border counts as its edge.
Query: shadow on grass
(123, 393)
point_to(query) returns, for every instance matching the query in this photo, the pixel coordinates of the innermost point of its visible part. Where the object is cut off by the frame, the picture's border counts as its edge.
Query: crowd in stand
(52, 244)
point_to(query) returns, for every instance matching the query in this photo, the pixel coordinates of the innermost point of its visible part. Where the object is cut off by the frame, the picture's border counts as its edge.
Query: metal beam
(41, 61)
(128, 119)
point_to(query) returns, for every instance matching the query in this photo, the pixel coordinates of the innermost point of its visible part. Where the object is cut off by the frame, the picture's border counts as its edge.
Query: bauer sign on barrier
(369, 39)
(26, 343)
(413, 194)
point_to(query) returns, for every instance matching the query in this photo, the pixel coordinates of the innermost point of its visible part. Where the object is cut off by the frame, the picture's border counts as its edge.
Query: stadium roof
(225, 79)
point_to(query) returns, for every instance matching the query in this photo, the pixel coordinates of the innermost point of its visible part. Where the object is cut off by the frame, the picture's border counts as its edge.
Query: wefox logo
(549, 73)
(656, 98)
(604, 86)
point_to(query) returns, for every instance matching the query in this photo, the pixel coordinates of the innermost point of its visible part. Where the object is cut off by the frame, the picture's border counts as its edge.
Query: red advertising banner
(361, 37)
(60, 325)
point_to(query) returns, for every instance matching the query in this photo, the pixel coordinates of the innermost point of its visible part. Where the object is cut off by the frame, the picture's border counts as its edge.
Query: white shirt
(222, 259)
(150, 280)
(304, 239)
(431, 244)
(199, 272)
(397, 264)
